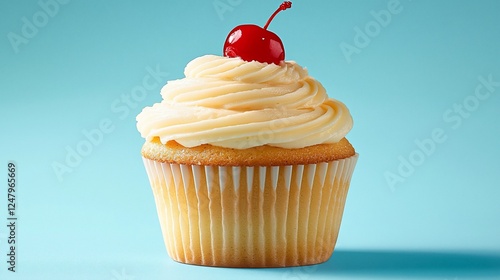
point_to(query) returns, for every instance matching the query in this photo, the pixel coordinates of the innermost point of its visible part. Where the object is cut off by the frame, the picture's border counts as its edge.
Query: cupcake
(248, 163)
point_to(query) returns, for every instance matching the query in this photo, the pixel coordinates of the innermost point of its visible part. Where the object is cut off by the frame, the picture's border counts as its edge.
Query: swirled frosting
(232, 103)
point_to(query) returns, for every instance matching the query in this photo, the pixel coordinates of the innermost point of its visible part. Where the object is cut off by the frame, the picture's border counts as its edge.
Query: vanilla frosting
(232, 103)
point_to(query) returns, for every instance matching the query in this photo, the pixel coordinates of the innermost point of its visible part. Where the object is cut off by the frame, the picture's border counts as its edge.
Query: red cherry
(251, 42)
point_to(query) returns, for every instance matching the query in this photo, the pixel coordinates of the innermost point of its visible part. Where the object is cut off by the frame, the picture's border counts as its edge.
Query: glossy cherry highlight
(252, 42)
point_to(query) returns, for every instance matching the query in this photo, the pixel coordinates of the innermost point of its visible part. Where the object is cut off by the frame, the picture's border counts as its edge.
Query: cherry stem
(285, 5)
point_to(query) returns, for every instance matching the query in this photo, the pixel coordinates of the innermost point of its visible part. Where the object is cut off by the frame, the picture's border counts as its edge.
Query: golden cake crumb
(173, 152)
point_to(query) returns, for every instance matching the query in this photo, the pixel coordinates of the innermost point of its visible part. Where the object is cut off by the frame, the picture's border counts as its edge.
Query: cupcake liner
(258, 216)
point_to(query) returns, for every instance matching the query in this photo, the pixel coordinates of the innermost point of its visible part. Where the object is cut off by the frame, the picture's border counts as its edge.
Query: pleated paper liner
(272, 216)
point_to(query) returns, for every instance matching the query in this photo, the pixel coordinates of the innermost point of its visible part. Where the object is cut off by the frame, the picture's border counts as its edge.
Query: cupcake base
(258, 216)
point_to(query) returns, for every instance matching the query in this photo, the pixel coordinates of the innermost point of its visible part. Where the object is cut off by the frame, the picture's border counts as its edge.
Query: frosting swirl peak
(232, 103)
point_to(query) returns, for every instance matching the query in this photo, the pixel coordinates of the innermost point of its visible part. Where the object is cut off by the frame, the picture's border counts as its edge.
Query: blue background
(84, 60)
